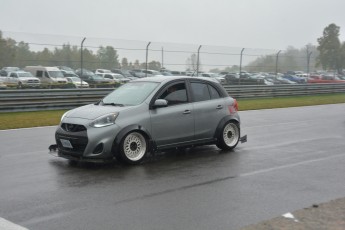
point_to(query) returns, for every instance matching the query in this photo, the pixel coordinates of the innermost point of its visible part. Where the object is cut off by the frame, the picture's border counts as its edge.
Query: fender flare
(119, 137)
(222, 122)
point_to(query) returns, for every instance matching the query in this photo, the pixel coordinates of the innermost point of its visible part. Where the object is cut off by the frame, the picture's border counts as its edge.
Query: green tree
(23, 55)
(108, 57)
(124, 63)
(330, 47)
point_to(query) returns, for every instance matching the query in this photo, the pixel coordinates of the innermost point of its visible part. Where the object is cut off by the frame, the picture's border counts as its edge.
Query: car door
(209, 109)
(173, 124)
(13, 78)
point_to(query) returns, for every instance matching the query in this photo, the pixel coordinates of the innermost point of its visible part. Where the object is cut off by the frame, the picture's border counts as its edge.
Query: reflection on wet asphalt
(293, 158)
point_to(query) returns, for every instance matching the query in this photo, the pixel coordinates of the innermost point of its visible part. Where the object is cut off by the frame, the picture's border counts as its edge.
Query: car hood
(92, 111)
(28, 78)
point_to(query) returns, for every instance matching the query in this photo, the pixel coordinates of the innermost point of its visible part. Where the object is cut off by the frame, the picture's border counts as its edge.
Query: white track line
(8, 225)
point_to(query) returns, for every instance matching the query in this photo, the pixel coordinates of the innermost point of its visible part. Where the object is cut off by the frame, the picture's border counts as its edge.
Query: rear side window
(203, 92)
(200, 92)
(214, 93)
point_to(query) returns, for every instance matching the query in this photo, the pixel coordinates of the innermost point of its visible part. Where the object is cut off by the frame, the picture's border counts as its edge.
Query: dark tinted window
(200, 92)
(175, 94)
(214, 93)
(39, 73)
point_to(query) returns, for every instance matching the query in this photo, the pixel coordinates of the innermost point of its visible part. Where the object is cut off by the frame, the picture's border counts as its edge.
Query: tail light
(234, 107)
(235, 104)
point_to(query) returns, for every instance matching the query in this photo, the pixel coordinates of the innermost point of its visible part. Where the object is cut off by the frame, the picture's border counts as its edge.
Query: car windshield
(132, 93)
(97, 77)
(25, 74)
(55, 74)
(74, 79)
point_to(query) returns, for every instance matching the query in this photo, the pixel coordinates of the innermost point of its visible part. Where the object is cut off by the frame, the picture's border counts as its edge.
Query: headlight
(105, 120)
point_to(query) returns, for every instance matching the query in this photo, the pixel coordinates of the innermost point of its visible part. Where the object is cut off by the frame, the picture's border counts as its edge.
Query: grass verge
(15, 120)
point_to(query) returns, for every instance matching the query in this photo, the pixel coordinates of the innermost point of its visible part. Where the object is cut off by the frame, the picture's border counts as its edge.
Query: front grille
(72, 127)
(79, 144)
(33, 81)
(78, 140)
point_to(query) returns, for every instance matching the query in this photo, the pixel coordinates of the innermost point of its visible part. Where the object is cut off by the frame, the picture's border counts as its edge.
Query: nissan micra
(148, 115)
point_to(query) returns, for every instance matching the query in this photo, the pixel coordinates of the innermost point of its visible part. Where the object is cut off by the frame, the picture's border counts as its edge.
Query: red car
(324, 79)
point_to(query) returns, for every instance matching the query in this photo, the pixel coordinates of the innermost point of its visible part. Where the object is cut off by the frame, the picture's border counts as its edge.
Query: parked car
(244, 79)
(276, 80)
(125, 73)
(21, 79)
(102, 71)
(216, 76)
(294, 78)
(324, 79)
(66, 69)
(2, 85)
(115, 77)
(138, 73)
(92, 78)
(48, 75)
(77, 82)
(149, 115)
(152, 73)
(6, 70)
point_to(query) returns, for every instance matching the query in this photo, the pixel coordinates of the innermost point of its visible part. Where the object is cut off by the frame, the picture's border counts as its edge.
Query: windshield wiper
(114, 104)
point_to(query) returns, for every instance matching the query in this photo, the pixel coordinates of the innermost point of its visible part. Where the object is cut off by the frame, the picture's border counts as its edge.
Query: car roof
(171, 78)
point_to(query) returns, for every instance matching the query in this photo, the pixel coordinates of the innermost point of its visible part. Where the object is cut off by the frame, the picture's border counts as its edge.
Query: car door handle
(219, 107)
(186, 111)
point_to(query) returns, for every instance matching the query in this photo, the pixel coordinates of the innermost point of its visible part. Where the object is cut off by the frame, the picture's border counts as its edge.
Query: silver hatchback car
(149, 115)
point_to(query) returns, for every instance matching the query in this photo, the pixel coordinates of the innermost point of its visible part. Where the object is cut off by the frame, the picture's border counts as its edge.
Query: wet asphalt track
(294, 158)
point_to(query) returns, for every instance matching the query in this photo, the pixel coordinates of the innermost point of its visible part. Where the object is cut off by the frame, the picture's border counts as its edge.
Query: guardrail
(53, 99)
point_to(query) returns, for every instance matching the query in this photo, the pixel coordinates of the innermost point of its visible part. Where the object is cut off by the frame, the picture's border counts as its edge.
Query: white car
(77, 82)
(119, 78)
(22, 79)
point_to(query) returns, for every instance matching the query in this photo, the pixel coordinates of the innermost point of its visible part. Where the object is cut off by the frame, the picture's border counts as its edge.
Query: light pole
(81, 63)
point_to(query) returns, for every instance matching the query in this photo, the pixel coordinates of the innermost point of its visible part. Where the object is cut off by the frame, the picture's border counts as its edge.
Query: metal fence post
(197, 61)
(239, 80)
(81, 62)
(277, 62)
(147, 53)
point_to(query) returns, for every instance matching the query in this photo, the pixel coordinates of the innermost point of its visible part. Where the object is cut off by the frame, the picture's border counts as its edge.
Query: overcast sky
(271, 24)
(262, 24)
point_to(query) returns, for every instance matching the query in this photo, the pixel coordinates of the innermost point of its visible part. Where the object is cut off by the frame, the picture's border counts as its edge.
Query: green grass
(285, 102)
(16, 120)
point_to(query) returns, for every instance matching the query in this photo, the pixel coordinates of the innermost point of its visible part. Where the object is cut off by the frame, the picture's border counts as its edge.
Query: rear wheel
(133, 148)
(230, 136)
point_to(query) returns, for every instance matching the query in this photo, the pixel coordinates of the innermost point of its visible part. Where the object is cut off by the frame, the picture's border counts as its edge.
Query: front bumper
(90, 145)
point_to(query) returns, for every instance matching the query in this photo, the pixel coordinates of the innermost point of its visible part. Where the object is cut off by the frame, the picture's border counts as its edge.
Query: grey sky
(270, 24)
(221, 26)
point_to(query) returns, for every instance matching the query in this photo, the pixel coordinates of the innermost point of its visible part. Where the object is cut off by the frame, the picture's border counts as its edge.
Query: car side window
(200, 92)
(214, 93)
(175, 94)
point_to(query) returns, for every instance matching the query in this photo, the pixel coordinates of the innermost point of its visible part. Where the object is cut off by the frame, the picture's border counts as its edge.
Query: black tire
(230, 136)
(20, 85)
(133, 148)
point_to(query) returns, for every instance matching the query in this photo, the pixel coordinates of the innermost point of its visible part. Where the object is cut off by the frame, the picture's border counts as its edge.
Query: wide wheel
(229, 137)
(133, 148)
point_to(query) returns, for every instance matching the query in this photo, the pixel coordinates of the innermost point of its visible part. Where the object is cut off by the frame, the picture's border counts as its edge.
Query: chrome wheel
(134, 147)
(231, 134)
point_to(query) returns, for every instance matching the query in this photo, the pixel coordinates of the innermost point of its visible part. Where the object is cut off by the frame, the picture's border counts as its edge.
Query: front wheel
(230, 136)
(133, 148)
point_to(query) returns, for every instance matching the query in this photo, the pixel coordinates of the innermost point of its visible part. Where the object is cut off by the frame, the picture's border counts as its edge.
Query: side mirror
(160, 103)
